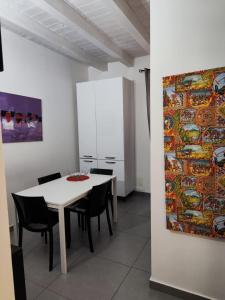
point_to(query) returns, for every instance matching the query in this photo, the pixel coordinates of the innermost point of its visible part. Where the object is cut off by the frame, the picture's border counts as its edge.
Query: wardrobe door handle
(88, 161)
(110, 157)
(88, 156)
(110, 162)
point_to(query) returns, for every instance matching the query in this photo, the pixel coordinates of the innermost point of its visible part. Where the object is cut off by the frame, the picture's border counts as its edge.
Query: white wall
(185, 36)
(142, 143)
(35, 71)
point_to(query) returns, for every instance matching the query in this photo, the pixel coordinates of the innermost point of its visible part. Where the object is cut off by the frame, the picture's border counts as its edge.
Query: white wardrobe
(106, 129)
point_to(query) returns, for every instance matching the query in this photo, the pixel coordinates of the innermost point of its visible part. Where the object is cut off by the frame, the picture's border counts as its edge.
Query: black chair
(101, 171)
(35, 216)
(96, 204)
(48, 178)
(109, 193)
(45, 179)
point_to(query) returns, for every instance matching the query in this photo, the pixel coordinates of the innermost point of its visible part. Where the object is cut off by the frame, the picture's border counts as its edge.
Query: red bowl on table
(77, 178)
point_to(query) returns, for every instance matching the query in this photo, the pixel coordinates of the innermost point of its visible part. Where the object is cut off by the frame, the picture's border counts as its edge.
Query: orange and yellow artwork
(194, 147)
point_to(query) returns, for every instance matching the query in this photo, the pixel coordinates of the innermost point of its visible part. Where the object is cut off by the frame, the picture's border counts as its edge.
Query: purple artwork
(21, 118)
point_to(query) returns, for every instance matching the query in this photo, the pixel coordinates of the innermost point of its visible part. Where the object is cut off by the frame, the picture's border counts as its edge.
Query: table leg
(15, 227)
(62, 238)
(114, 186)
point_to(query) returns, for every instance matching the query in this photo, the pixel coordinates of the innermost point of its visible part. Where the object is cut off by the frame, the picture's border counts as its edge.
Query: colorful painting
(194, 146)
(21, 118)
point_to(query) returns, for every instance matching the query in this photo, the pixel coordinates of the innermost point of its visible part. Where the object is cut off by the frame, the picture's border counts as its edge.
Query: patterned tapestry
(194, 144)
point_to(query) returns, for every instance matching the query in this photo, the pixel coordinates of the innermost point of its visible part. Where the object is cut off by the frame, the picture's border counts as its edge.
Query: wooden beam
(130, 21)
(32, 30)
(69, 16)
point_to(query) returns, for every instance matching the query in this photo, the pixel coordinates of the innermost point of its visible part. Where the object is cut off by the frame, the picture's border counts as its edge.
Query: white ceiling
(93, 32)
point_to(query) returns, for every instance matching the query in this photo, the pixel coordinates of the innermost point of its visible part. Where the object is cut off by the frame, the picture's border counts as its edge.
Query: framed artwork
(21, 118)
(194, 147)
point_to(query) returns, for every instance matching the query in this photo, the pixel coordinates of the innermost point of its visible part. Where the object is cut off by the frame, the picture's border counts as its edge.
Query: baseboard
(186, 295)
(124, 198)
(141, 192)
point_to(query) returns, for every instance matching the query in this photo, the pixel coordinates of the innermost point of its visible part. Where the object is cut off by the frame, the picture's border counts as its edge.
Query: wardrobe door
(86, 119)
(109, 119)
(118, 170)
(87, 164)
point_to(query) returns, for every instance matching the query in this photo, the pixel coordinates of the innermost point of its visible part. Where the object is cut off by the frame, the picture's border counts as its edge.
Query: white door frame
(6, 275)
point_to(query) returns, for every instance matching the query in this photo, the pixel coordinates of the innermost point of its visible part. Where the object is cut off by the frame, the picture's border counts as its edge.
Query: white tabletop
(61, 192)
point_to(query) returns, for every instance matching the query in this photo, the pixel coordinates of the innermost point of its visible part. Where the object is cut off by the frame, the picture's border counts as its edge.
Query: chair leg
(98, 222)
(46, 238)
(89, 233)
(67, 228)
(82, 222)
(20, 242)
(78, 214)
(85, 223)
(50, 250)
(111, 203)
(108, 220)
(42, 234)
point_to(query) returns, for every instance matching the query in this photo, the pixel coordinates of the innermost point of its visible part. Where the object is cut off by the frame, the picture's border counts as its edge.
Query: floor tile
(33, 290)
(123, 248)
(79, 257)
(142, 229)
(139, 204)
(143, 211)
(97, 237)
(36, 267)
(144, 262)
(95, 279)
(133, 224)
(136, 287)
(30, 241)
(49, 295)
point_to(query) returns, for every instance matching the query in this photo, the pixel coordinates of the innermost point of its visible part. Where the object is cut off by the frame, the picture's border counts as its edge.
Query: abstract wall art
(194, 147)
(21, 118)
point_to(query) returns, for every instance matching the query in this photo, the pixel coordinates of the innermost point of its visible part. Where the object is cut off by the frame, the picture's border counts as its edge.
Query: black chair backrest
(104, 172)
(48, 178)
(101, 171)
(31, 210)
(97, 200)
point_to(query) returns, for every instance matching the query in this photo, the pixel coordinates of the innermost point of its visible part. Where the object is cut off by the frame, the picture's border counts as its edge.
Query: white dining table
(60, 193)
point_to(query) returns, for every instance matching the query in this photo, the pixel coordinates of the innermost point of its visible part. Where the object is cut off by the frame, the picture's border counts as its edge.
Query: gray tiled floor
(119, 269)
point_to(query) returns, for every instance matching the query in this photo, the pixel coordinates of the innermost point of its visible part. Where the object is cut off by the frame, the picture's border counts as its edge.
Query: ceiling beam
(130, 21)
(33, 31)
(70, 17)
